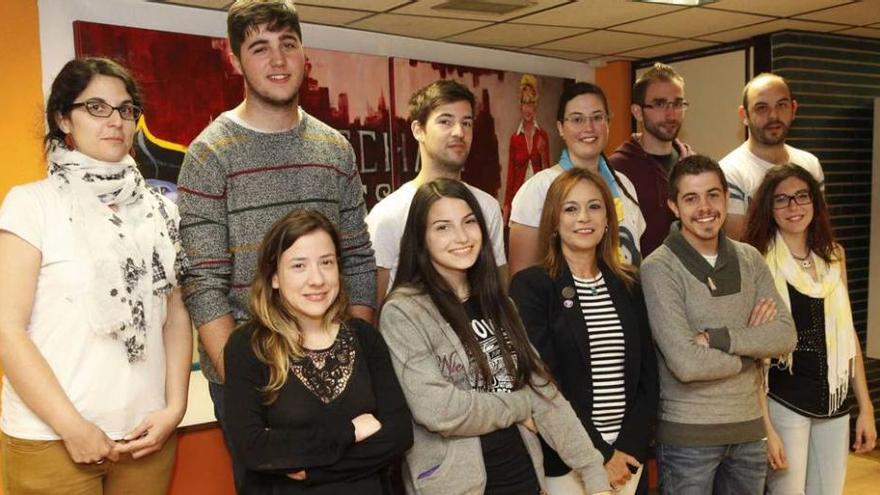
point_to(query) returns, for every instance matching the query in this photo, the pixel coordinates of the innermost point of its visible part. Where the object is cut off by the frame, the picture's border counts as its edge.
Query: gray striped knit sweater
(235, 182)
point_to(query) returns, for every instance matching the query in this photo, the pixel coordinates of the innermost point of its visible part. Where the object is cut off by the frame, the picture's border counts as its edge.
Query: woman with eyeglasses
(477, 389)
(582, 119)
(585, 314)
(95, 341)
(808, 424)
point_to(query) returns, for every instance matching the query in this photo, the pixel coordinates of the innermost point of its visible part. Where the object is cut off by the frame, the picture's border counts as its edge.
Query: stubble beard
(255, 94)
(762, 138)
(658, 133)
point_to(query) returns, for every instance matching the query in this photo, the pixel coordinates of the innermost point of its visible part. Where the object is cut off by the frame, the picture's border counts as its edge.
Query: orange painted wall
(21, 95)
(616, 80)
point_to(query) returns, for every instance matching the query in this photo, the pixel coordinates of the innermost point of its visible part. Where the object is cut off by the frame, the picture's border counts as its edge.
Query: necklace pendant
(807, 263)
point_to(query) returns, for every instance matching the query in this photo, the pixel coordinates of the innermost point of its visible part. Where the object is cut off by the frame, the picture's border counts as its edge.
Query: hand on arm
(262, 446)
(152, 433)
(26, 368)
(673, 335)
(618, 468)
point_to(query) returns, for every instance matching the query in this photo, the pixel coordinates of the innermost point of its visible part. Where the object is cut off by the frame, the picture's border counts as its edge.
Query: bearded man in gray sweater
(714, 312)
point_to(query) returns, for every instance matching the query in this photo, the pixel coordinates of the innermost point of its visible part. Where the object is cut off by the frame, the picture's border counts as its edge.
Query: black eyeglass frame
(136, 110)
(808, 199)
(678, 106)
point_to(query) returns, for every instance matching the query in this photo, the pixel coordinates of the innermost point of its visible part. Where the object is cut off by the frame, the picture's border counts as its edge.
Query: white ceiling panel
(864, 32)
(333, 17)
(211, 4)
(514, 35)
(674, 47)
(425, 7)
(769, 27)
(691, 22)
(856, 14)
(560, 54)
(781, 8)
(415, 26)
(372, 5)
(605, 42)
(597, 13)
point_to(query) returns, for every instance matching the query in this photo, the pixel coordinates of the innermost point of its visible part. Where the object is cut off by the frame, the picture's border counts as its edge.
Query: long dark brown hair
(416, 270)
(549, 243)
(277, 340)
(761, 226)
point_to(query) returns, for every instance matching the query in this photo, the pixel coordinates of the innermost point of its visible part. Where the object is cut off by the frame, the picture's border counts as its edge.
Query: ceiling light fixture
(683, 3)
(485, 6)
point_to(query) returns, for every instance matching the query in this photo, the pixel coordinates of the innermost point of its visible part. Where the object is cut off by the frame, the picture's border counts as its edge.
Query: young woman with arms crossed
(808, 427)
(313, 403)
(476, 388)
(95, 341)
(584, 312)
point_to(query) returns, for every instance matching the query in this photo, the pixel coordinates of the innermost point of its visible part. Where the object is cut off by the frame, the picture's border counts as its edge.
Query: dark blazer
(560, 335)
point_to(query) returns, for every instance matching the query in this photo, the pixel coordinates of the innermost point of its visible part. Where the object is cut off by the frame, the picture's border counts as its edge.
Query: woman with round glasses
(95, 341)
(582, 121)
(808, 427)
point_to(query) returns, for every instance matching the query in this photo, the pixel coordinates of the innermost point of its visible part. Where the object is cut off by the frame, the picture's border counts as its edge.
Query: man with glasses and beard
(251, 166)
(647, 157)
(768, 109)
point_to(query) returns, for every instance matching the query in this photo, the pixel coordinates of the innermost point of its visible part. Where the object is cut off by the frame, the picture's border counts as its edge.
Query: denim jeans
(735, 469)
(238, 468)
(816, 451)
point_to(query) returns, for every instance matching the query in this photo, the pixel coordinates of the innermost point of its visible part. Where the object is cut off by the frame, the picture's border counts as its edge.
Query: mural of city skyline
(187, 81)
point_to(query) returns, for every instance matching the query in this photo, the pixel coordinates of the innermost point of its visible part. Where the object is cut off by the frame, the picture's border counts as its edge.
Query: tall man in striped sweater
(251, 166)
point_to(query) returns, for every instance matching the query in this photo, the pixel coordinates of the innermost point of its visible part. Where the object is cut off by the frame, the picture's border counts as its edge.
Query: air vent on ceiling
(485, 6)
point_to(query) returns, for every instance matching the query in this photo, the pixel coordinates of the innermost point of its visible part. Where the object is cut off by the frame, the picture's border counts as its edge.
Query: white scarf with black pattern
(128, 240)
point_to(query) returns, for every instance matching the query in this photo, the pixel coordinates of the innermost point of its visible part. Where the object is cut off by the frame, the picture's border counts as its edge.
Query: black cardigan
(560, 335)
(299, 431)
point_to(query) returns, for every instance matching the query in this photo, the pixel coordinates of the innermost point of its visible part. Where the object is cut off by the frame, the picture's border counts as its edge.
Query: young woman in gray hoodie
(478, 391)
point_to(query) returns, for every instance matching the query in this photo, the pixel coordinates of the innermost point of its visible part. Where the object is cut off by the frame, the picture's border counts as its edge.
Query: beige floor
(863, 475)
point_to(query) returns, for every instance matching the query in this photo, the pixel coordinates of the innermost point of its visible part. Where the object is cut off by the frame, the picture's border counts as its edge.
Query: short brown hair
(659, 72)
(245, 16)
(441, 92)
(693, 165)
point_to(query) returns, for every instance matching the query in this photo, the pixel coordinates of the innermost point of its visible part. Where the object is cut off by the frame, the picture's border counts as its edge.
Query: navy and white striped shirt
(606, 351)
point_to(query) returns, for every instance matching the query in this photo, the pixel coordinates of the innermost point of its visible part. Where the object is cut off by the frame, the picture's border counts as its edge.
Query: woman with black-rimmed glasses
(95, 341)
(807, 418)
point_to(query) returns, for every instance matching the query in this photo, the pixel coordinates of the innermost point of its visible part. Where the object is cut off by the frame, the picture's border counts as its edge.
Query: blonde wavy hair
(277, 339)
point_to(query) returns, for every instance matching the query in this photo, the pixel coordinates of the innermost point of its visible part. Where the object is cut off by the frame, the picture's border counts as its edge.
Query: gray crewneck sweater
(708, 396)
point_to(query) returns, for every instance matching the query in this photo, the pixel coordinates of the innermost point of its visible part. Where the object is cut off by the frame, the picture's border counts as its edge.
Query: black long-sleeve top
(308, 427)
(558, 331)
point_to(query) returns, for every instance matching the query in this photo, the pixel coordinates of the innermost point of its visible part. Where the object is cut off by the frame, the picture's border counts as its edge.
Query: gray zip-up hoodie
(449, 417)
(708, 396)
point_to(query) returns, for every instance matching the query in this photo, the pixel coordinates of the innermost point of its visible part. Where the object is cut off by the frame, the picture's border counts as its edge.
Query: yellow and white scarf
(839, 330)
